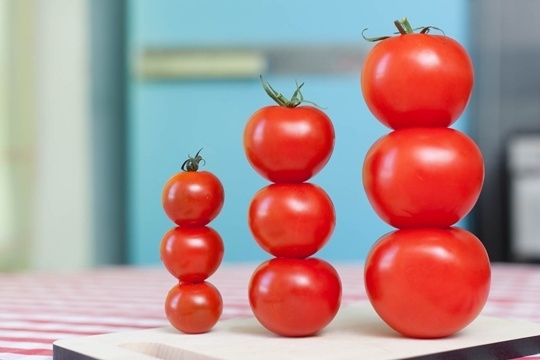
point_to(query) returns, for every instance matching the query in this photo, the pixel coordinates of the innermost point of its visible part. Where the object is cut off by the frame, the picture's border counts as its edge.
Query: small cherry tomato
(191, 254)
(295, 297)
(193, 308)
(288, 143)
(291, 220)
(423, 177)
(428, 283)
(192, 198)
(417, 79)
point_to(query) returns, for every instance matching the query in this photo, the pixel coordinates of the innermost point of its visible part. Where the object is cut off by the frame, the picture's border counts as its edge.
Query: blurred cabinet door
(175, 108)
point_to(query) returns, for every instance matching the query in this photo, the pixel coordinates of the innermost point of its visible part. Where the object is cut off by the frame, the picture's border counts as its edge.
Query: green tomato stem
(400, 28)
(296, 99)
(404, 28)
(407, 25)
(192, 163)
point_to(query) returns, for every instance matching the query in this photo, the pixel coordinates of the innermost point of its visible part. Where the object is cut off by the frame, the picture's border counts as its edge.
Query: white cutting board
(356, 333)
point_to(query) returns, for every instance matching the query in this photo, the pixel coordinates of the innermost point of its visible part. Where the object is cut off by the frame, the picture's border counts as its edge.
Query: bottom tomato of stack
(295, 297)
(428, 283)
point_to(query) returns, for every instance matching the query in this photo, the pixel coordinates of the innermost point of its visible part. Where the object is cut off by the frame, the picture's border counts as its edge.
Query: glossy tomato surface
(191, 254)
(288, 145)
(193, 198)
(193, 308)
(417, 80)
(295, 297)
(428, 283)
(423, 177)
(291, 220)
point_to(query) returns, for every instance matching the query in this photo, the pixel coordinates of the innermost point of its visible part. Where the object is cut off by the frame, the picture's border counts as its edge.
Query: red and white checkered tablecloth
(39, 308)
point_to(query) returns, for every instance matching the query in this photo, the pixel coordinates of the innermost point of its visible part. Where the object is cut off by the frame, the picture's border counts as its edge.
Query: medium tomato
(192, 198)
(295, 297)
(288, 143)
(423, 177)
(291, 220)
(417, 79)
(428, 283)
(191, 254)
(193, 308)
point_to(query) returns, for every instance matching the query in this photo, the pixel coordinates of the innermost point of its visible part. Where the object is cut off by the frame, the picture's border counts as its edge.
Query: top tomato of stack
(418, 79)
(287, 143)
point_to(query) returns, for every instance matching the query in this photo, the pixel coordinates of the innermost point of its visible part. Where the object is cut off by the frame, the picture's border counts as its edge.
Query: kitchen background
(102, 100)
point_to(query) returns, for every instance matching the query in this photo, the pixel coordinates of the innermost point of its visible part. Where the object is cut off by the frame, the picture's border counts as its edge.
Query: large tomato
(295, 297)
(291, 220)
(423, 177)
(417, 80)
(191, 254)
(428, 283)
(192, 198)
(193, 308)
(288, 143)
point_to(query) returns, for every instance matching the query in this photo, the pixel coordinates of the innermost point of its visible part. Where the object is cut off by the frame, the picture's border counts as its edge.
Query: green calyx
(296, 99)
(404, 28)
(192, 163)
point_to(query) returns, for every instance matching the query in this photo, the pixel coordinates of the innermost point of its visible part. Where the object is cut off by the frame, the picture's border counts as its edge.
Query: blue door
(174, 112)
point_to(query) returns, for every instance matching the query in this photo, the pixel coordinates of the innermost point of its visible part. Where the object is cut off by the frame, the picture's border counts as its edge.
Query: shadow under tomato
(252, 329)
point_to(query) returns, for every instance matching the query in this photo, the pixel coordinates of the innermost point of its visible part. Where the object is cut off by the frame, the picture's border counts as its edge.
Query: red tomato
(291, 220)
(191, 254)
(428, 283)
(193, 198)
(295, 297)
(193, 308)
(417, 80)
(288, 145)
(423, 177)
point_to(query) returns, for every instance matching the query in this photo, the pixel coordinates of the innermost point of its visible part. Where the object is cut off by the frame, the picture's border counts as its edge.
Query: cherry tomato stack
(428, 278)
(192, 251)
(292, 294)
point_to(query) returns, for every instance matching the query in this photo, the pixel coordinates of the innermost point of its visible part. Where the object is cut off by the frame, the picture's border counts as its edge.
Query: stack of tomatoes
(293, 293)
(428, 278)
(192, 251)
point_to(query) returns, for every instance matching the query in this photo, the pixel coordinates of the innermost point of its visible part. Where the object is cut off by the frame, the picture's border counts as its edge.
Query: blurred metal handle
(228, 63)
(200, 64)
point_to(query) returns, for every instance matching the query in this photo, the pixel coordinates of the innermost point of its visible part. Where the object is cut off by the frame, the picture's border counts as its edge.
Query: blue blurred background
(106, 112)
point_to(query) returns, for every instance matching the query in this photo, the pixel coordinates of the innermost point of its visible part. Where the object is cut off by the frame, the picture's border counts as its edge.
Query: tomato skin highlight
(295, 297)
(417, 80)
(288, 145)
(193, 198)
(191, 254)
(193, 308)
(428, 283)
(423, 177)
(291, 220)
